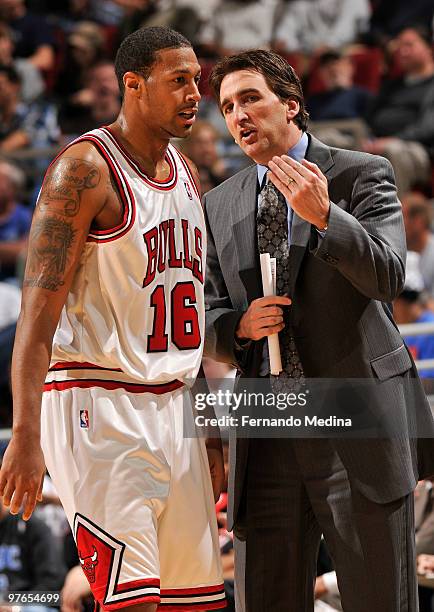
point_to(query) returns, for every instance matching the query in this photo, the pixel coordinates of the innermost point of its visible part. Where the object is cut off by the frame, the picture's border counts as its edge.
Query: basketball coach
(332, 220)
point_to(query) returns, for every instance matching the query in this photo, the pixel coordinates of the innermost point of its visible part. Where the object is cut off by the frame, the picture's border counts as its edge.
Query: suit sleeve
(365, 239)
(221, 319)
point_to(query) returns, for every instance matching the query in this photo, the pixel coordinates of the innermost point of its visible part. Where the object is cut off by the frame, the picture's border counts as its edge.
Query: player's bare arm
(76, 195)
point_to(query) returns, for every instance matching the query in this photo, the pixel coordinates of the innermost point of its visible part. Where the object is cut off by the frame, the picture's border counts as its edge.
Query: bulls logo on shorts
(101, 558)
(95, 553)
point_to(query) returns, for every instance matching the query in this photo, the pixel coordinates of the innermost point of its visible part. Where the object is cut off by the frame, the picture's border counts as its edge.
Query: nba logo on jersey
(84, 419)
(188, 190)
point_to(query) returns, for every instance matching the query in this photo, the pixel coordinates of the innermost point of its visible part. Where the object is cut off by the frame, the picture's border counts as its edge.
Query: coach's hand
(216, 469)
(263, 317)
(22, 474)
(304, 186)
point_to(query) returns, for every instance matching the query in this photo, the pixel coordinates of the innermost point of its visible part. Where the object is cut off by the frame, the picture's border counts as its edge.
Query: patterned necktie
(272, 228)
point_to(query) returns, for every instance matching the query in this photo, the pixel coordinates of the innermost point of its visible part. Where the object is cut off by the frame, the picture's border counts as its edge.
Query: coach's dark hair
(137, 52)
(279, 75)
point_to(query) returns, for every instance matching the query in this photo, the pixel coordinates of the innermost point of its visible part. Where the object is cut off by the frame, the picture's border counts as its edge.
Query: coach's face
(261, 124)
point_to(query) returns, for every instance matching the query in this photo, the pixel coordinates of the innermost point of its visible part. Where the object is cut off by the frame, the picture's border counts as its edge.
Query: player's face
(256, 118)
(172, 95)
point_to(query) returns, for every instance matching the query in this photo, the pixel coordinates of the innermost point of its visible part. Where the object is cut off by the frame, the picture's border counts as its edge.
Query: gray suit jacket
(339, 287)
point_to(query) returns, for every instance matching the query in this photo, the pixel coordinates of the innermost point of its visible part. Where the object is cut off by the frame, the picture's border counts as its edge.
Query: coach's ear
(293, 108)
(132, 83)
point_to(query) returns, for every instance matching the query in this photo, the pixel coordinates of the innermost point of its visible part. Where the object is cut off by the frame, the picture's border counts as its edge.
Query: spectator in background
(98, 104)
(424, 517)
(237, 25)
(22, 125)
(15, 219)
(340, 99)
(417, 212)
(84, 49)
(12, 111)
(336, 111)
(402, 116)
(30, 560)
(202, 148)
(32, 83)
(410, 307)
(425, 568)
(310, 26)
(10, 303)
(76, 593)
(32, 33)
(389, 17)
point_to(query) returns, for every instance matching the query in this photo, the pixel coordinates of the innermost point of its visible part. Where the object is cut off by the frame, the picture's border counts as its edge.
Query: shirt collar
(297, 152)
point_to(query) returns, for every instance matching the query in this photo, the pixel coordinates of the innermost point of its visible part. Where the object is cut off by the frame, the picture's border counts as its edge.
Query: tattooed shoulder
(64, 185)
(50, 242)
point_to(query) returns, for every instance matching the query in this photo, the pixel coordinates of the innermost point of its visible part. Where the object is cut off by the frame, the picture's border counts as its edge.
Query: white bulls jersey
(135, 311)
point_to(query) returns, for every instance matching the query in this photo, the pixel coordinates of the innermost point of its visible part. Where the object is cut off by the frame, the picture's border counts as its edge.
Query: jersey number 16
(185, 331)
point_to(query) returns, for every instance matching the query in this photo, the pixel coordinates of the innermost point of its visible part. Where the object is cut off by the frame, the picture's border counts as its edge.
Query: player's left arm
(213, 442)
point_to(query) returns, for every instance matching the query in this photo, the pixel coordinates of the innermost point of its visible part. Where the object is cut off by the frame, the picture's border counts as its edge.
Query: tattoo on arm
(65, 184)
(50, 240)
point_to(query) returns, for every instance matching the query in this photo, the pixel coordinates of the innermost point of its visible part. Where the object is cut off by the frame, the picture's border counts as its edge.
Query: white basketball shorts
(137, 495)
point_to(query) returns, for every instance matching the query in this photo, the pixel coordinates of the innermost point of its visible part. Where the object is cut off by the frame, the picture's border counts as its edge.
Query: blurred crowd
(367, 69)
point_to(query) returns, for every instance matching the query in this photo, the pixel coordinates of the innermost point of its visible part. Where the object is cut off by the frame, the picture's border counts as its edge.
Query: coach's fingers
(263, 332)
(314, 168)
(269, 322)
(271, 300)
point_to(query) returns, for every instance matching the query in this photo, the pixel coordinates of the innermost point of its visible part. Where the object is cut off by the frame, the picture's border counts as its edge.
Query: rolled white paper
(268, 274)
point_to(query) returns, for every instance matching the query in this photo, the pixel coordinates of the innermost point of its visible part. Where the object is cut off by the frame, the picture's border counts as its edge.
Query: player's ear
(132, 83)
(292, 109)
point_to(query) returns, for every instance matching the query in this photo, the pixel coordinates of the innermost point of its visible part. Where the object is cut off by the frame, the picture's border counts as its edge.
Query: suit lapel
(319, 154)
(244, 233)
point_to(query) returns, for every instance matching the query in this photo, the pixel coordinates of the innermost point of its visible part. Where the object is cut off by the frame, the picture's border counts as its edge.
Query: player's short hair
(280, 77)
(137, 52)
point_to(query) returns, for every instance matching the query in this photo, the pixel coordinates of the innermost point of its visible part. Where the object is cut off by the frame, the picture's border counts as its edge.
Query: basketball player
(113, 308)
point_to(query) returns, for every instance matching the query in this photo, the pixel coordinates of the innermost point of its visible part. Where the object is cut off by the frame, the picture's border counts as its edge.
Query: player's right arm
(73, 195)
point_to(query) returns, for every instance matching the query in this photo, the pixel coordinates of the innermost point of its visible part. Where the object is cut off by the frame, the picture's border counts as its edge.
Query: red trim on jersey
(111, 385)
(194, 604)
(186, 165)
(136, 584)
(118, 605)
(78, 365)
(127, 200)
(215, 589)
(165, 185)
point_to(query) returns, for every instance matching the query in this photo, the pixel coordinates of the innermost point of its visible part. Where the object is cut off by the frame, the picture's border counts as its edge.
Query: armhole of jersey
(124, 190)
(127, 196)
(190, 174)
